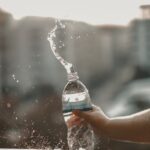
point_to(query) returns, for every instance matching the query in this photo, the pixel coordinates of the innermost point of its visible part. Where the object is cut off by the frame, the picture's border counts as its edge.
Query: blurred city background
(113, 61)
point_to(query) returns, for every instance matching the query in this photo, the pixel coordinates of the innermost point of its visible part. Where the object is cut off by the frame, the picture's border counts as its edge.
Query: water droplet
(33, 131)
(19, 136)
(36, 101)
(78, 37)
(8, 105)
(14, 77)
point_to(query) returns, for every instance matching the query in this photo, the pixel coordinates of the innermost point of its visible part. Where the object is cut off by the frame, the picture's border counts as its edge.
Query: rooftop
(145, 6)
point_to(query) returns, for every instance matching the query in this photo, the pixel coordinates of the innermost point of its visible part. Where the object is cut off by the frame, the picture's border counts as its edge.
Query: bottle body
(75, 96)
(80, 137)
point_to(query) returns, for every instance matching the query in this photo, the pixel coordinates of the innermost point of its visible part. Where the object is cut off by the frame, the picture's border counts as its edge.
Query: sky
(90, 11)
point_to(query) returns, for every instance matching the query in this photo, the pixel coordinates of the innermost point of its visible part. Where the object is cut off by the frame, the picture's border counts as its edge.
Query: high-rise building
(140, 38)
(145, 10)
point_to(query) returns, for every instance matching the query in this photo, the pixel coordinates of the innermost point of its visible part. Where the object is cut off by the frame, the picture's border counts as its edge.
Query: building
(145, 10)
(6, 21)
(140, 38)
(115, 43)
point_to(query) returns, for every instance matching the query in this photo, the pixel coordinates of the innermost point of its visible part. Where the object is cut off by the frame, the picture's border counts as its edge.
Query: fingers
(80, 116)
(88, 115)
(74, 120)
(83, 114)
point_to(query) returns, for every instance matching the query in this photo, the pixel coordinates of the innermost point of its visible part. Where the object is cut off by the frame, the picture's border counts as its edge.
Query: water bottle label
(82, 105)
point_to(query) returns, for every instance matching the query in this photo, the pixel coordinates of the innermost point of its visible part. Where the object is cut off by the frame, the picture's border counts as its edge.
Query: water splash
(14, 77)
(81, 137)
(37, 141)
(52, 39)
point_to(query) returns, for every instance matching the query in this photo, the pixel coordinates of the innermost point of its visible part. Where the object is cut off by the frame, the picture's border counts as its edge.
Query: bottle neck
(73, 76)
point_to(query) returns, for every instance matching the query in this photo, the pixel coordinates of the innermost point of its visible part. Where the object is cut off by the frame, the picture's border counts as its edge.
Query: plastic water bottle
(75, 96)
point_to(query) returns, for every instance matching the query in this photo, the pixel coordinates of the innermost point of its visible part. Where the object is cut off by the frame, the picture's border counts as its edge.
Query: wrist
(106, 126)
(111, 128)
(102, 126)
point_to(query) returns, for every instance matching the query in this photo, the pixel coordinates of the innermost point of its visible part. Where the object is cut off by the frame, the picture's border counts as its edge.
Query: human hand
(96, 118)
(74, 121)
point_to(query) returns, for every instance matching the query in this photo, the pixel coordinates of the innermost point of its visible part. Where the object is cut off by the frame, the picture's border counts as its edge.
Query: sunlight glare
(95, 11)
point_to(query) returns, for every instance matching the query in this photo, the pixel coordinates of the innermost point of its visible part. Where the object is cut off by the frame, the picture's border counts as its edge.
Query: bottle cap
(73, 76)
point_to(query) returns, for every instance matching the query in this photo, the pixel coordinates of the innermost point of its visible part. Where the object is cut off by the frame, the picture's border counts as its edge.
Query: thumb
(82, 114)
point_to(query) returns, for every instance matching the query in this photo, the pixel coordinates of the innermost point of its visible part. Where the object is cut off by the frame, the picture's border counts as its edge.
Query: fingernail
(76, 112)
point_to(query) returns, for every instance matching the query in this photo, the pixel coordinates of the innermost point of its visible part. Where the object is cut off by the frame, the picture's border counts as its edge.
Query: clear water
(77, 97)
(76, 101)
(80, 137)
(52, 38)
